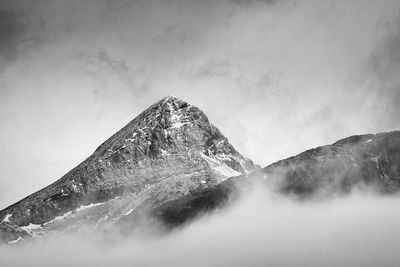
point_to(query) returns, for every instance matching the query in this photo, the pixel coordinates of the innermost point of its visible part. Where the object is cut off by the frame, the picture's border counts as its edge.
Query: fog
(261, 229)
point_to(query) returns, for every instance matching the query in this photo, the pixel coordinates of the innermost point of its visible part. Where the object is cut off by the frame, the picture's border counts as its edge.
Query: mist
(261, 229)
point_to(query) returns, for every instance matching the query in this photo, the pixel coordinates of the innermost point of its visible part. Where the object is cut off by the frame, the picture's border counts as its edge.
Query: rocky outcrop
(168, 151)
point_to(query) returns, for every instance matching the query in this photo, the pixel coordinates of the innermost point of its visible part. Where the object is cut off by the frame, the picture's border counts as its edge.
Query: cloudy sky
(276, 76)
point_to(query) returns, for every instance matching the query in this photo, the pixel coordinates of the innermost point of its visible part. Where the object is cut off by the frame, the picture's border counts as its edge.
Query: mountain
(370, 162)
(170, 164)
(170, 150)
(357, 161)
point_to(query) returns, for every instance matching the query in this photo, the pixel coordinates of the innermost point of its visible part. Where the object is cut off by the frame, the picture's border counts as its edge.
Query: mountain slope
(369, 162)
(168, 151)
(357, 161)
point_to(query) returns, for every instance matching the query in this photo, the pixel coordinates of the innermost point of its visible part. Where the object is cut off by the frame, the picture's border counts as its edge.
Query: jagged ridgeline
(170, 163)
(170, 150)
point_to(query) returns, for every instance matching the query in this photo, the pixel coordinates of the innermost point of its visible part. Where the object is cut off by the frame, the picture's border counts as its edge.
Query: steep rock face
(168, 151)
(362, 161)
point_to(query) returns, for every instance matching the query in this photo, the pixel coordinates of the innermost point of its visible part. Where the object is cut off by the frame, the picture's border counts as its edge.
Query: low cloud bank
(263, 229)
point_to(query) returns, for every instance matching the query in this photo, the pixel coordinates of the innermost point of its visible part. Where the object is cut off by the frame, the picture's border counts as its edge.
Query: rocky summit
(170, 150)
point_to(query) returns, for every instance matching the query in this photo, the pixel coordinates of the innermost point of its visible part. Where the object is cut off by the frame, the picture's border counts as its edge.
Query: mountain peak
(169, 112)
(167, 151)
(171, 98)
(171, 102)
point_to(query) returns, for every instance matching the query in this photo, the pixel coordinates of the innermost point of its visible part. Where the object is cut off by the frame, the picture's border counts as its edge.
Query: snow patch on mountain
(91, 205)
(177, 125)
(20, 238)
(7, 218)
(164, 152)
(29, 228)
(220, 167)
(128, 212)
(226, 171)
(59, 218)
(72, 212)
(175, 117)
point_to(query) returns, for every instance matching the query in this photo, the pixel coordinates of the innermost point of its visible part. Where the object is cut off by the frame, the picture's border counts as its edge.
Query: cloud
(384, 67)
(220, 68)
(261, 229)
(13, 26)
(247, 3)
(112, 73)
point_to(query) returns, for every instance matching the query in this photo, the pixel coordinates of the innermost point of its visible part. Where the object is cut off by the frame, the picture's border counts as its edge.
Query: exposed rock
(356, 161)
(168, 151)
(369, 162)
(169, 165)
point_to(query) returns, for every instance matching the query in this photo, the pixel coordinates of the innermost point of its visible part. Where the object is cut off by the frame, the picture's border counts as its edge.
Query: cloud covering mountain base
(262, 229)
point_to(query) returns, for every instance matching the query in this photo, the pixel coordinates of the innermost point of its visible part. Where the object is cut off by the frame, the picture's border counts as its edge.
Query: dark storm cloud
(12, 29)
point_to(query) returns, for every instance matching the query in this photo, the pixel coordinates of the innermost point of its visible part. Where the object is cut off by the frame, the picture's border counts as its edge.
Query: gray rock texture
(168, 151)
(361, 162)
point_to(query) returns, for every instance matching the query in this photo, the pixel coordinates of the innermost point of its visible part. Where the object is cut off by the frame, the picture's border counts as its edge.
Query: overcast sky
(277, 77)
